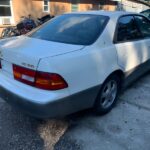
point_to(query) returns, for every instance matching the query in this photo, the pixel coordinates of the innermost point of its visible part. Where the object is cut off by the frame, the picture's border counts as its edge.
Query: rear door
(144, 26)
(130, 44)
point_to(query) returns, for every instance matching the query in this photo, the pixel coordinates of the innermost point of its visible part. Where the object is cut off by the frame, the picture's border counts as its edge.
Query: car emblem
(28, 65)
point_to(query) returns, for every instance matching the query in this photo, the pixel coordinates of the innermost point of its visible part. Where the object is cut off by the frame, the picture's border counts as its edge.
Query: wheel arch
(119, 73)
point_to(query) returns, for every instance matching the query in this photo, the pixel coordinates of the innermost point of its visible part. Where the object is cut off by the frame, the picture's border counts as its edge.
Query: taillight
(24, 75)
(50, 81)
(42, 80)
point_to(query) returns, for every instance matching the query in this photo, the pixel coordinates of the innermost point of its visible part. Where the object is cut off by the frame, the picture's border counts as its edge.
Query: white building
(130, 6)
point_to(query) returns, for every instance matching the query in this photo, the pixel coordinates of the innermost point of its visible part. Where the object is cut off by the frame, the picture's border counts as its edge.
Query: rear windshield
(72, 29)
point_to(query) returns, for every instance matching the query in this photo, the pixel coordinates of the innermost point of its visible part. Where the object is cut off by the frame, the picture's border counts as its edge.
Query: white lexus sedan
(74, 62)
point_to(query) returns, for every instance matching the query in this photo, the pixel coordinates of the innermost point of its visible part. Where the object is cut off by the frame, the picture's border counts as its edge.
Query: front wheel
(108, 95)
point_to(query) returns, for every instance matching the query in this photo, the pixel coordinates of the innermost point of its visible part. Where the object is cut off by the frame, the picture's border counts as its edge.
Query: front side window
(127, 29)
(5, 8)
(144, 25)
(72, 29)
(46, 6)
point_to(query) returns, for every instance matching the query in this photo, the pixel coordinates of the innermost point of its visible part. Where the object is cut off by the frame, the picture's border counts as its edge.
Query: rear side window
(144, 25)
(77, 29)
(127, 29)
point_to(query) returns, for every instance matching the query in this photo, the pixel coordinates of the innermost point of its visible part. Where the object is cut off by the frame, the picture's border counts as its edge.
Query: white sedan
(74, 62)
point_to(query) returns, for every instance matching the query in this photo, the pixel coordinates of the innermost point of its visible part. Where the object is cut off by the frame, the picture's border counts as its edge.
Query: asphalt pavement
(126, 127)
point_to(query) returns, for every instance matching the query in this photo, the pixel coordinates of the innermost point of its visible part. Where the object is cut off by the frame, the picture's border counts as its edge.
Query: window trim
(116, 30)
(46, 5)
(12, 14)
(10, 6)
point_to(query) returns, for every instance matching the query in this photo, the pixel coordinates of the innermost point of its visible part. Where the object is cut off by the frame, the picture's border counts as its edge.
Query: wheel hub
(109, 93)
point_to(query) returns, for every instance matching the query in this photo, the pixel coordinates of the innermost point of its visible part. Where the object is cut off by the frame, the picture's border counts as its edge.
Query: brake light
(42, 80)
(24, 75)
(50, 81)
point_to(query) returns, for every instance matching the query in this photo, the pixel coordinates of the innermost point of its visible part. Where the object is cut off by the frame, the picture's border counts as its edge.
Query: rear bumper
(45, 104)
(39, 110)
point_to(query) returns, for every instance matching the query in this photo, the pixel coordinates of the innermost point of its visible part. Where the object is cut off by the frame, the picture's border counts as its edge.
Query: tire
(108, 95)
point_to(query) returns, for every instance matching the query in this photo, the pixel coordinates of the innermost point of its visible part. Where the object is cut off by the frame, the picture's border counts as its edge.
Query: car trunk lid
(27, 52)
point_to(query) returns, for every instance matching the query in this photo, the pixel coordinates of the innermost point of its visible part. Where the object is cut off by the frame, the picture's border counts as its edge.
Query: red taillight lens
(24, 75)
(50, 81)
(42, 80)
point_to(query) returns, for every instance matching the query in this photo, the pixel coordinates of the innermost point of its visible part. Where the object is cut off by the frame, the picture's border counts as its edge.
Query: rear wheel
(108, 95)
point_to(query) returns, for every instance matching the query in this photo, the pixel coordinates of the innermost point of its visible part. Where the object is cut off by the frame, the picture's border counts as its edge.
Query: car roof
(104, 13)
